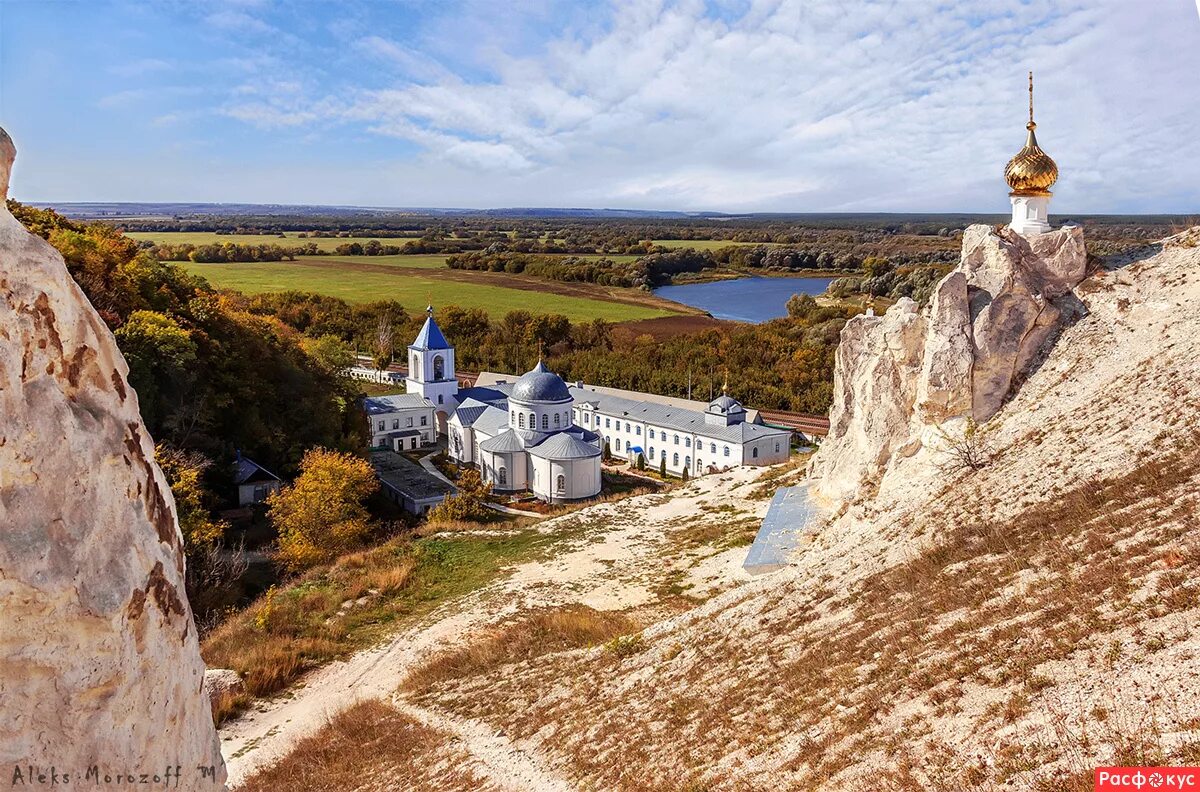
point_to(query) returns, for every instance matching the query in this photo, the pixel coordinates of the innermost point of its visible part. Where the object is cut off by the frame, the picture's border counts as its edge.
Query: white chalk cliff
(908, 379)
(99, 659)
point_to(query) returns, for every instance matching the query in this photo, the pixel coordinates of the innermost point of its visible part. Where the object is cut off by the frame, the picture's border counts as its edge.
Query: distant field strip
(361, 279)
(706, 244)
(289, 240)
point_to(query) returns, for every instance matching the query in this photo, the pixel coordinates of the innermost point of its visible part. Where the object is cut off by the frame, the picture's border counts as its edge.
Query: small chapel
(1030, 175)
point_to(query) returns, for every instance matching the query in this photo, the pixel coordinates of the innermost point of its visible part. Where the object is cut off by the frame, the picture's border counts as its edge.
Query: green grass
(703, 244)
(413, 292)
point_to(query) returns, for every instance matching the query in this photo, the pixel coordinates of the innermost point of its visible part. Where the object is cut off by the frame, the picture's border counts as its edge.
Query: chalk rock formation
(99, 660)
(903, 378)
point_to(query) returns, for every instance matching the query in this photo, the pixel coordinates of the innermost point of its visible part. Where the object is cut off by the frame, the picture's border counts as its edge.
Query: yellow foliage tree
(184, 471)
(321, 515)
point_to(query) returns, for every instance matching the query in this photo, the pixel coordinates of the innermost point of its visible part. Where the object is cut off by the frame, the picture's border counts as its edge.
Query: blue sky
(735, 105)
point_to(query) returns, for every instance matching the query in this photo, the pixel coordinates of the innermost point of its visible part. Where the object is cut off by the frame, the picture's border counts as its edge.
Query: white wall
(389, 419)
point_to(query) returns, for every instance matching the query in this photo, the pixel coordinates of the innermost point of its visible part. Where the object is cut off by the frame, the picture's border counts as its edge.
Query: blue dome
(540, 385)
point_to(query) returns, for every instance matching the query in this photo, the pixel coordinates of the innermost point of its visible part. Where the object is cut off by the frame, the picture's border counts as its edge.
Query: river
(744, 299)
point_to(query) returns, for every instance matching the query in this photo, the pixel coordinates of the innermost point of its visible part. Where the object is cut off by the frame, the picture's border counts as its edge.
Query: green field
(289, 240)
(412, 291)
(703, 244)
(418, 261)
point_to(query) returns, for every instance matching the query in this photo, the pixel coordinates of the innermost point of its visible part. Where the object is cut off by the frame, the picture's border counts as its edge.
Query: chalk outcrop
(907, 378)
(99, 659)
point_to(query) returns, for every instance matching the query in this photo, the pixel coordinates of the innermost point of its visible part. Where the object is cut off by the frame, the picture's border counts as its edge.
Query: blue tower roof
(430, 336)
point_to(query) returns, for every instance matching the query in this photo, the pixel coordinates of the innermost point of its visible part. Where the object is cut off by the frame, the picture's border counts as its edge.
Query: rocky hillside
(1004, 619)
(99, 662)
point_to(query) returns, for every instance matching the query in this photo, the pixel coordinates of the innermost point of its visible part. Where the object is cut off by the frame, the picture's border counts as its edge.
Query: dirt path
(629, 550)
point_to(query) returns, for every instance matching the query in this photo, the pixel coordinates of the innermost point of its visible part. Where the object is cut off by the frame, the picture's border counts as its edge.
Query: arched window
(627, 426)
(532, 421)
(521, 421)
(675, 460)
(439, 367)
(776, 446)
(712, 447)
(652, 452)
(546, 420)
(726, 450)
(754, 453)
(562, 483)
(687, 462)
(502, 475)
(687, 442)
(627, 445)
(677, 443)
(416, 369)
(556, 420)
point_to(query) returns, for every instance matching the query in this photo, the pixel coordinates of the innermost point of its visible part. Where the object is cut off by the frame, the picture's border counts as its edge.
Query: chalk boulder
(900, 378)
(99, 660)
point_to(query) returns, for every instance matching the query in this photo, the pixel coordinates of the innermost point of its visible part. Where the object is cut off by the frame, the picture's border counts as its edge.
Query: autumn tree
(330, 352)
(469, 503)
(321, 514)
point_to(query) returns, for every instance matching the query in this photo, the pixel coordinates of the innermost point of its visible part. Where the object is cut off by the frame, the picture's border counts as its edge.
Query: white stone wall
(401, 417)
(539, 417)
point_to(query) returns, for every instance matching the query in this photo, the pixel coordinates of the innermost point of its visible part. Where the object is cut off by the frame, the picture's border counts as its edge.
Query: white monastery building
(402, 422)
(537, 433)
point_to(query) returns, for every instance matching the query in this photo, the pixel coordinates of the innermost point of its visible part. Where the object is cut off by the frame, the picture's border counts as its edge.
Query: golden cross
(1031, 97)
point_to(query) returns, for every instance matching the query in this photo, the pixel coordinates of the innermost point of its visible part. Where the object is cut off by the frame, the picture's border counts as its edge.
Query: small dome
(725, 404)
(1031, 172)
(540, 384)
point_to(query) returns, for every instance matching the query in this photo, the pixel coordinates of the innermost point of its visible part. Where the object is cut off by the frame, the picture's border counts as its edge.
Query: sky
(724, 105)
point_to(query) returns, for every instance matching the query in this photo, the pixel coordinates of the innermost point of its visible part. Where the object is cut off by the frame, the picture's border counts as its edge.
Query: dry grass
(370, 746)
(524, 638)
(985, 607)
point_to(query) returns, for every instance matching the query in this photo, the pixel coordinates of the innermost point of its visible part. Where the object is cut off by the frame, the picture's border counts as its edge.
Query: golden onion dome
(1031, 172)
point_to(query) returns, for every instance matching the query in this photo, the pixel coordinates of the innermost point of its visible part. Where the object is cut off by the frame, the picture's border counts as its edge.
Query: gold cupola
(1031, 172)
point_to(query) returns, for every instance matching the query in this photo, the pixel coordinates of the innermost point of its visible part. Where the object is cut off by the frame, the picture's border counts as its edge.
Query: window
(546, 420)
(562, 483)
(627, 426)
(687, 442)
(607, 423)
(424, 420)
(638, 430)
(502, 475)
(532, 421)
(514, 416)
(416, 374)
(677, 442)
(627, 445)
(556, 419)
(521, 421)
(651, 434)
(408, 421)
(726, 450)
(652, 452)
(439, 398)
(383, 426)
(439, 368)
(675, 460)
(712, 448)
(754, 453)
(687, 462)
(776, 446)
(395, 423)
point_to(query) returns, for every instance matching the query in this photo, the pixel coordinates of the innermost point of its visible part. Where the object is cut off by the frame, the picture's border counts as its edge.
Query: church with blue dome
(521, 435)
(536, 433)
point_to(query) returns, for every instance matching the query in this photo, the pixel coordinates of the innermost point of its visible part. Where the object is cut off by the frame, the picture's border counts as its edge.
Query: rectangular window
(607, 423)
(383, 426)
(408, 421)
(424, 420)
(395, 423)
(638, 431)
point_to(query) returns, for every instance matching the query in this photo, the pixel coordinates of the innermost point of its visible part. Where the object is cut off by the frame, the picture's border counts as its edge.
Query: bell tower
(431, 366)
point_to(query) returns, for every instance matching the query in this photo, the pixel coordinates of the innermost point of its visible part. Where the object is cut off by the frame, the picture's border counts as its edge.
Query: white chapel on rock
(1030, 175)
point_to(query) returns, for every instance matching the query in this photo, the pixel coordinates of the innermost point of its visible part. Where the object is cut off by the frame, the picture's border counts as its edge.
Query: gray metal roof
(540, 384)
(408, 478)
(248, 471)
(503, 443)
(492, 421)
(675, 418)
(562, 445)
(469, 411)
(725, 404)
(376, 405)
